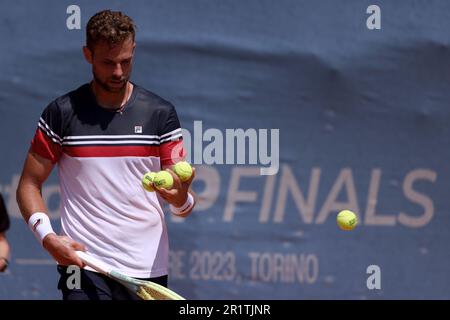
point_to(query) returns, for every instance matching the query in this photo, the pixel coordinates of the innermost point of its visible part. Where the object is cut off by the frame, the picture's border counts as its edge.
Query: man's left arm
(171, 149)
(180, 195)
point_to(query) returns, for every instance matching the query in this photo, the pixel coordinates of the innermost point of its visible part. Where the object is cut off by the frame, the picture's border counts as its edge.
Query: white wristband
(185, 207)
(40, 224)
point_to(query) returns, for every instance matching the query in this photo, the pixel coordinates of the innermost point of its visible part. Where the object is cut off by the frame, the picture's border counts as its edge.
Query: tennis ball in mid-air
(147, 181)
(163, 179)
(183, 170)
(347, 220)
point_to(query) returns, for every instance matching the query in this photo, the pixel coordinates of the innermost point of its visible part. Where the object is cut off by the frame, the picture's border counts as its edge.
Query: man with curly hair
(104, 136)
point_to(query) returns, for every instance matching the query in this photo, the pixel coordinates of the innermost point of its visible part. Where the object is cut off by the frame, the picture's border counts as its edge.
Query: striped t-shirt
(101, 157)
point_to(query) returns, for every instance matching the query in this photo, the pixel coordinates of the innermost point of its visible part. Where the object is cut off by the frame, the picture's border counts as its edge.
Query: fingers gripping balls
(158, 180)
(163, 179)
(147, 181)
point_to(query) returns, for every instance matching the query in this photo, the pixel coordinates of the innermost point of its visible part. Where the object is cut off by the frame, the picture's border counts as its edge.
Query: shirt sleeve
(47, 140)
(171, 149)
(4, 219)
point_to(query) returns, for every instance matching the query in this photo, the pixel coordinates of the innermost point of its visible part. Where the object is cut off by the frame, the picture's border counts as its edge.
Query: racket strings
(149, 293)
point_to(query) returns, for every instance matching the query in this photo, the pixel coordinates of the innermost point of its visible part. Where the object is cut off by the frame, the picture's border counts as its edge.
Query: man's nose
(118, 72)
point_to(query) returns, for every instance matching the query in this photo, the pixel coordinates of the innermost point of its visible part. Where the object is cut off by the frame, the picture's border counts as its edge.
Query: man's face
(111, 65)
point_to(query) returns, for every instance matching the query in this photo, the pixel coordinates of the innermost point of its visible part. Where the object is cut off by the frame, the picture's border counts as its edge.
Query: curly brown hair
(110, 26)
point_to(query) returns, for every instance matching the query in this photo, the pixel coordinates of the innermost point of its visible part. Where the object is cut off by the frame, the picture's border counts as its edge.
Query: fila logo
(137, 129)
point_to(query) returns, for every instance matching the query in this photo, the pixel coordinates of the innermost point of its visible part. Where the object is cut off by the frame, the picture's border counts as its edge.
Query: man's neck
(111, 100)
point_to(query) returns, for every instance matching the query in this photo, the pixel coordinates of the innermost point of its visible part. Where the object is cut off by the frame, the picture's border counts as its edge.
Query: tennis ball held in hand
(183, 170)
(346, 220)
(147, 181)
(163, 179)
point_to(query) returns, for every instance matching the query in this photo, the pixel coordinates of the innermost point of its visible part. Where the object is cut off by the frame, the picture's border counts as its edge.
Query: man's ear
(87, 54)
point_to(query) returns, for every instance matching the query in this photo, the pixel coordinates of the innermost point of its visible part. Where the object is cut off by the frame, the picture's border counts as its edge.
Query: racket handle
(93, 263)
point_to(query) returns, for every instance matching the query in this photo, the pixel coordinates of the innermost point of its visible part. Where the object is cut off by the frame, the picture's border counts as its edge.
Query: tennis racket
(146, 290)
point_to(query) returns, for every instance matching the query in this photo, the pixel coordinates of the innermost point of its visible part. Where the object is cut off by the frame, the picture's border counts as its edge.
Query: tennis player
(104, 136)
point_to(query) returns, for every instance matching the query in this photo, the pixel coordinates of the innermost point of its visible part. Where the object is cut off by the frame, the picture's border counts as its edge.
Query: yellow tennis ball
(163, 179)
(147, 181)
(347, 220)
(183, 170)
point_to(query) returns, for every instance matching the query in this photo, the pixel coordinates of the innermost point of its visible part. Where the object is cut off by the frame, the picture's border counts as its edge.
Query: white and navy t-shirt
(102, 156)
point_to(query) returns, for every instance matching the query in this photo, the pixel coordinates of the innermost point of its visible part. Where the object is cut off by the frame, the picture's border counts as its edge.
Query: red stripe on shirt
(172, 152)
(111, 151)
(45, 147)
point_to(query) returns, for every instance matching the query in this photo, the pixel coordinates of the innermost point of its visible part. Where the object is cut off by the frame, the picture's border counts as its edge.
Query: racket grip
(93, 262)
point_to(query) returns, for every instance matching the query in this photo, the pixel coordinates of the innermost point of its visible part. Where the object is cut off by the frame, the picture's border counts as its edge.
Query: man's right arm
(35, 171)
(29, 198)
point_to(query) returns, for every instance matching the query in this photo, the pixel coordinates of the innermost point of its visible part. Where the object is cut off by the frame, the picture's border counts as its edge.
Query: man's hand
(176, 196)
(62, 249)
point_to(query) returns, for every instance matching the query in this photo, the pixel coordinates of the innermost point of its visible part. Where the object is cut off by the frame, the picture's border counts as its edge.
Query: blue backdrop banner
(292, 111)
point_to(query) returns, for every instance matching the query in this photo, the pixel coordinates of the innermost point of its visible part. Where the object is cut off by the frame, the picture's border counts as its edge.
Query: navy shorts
(96, 286)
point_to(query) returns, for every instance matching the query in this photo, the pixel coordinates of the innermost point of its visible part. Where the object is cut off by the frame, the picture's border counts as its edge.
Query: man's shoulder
(67, 100)
(152, 100)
